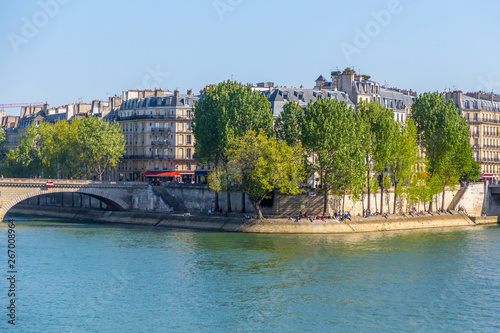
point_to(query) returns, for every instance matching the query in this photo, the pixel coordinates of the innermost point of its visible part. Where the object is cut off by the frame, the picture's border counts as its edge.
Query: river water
(84, 277)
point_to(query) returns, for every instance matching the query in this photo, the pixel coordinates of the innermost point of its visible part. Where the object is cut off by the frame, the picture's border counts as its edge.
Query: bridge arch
(24, 193)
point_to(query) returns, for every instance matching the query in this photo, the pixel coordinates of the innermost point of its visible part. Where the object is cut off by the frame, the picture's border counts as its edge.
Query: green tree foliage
(227, 111)
(444, 138)
(331, 138)
(404, 162)
(379, 136)
(101, 144)
(77, 149)
(289, 123)
(258, 164)
(3, 151)
(27, 159)
(63, 154)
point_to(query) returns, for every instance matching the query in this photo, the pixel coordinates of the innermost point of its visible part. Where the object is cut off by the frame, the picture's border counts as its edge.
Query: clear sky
(64, 51)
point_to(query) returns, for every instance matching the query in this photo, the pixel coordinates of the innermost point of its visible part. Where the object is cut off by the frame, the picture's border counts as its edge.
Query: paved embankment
(274, 225)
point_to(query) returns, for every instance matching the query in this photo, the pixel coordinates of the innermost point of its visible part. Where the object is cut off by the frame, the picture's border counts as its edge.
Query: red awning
(161, 173)
(486, 175)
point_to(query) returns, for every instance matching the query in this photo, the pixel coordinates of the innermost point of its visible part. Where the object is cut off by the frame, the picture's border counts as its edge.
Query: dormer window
(285, 95)
(301, 96)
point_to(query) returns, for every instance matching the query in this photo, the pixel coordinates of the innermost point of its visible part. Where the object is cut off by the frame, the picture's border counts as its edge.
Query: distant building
(482, 111)
(346, 87)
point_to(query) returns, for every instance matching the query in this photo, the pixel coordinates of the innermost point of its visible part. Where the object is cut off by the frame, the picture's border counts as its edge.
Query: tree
(379, 134)
(227, 111)
(330, 136)
(3, 151)
(257, 164)
(403, 163)
(27, 159)
(63, 150)
(443, 137)
(102, 144)
(289, 123)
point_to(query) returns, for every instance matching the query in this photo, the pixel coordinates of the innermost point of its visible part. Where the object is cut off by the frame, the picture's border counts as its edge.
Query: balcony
(152, 116)
(160, 143)
(160, 129)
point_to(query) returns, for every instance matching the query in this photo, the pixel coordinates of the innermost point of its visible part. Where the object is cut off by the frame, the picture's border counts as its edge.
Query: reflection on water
(81, 277)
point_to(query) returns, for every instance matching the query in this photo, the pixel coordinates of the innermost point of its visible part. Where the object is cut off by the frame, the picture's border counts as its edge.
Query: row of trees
(81, 148)
(353, 152)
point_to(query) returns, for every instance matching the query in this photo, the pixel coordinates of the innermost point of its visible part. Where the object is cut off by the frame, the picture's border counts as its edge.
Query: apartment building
(158, 136)
(347, 87)
(482, 111)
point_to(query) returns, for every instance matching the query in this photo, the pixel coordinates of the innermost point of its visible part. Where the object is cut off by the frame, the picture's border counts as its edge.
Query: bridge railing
(42, 181)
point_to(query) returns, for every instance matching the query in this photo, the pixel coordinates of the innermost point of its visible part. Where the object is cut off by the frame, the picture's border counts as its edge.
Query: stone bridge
(116, 195)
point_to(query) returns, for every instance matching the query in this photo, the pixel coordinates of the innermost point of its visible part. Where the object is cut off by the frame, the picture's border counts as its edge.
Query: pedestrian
(209, 212)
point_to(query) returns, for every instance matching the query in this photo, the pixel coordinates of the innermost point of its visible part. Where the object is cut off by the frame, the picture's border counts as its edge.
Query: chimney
(190, 91)
(176, 93)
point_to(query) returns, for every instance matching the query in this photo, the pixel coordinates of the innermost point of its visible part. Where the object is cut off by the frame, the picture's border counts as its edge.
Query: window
(188, 139)
(188, 153)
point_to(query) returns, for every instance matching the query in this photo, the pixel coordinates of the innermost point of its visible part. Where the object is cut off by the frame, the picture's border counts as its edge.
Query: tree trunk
(343, 201)
(430, 206)
(243, 208)
(216, 201)
(363, 203)
(395, 197)
(257, 209)
(444, 191)
(229, 200)
(368, 181)
(325, 202)
(382, 193)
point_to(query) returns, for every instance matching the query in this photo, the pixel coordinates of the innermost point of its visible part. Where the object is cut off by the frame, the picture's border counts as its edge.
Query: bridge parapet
(31, 182)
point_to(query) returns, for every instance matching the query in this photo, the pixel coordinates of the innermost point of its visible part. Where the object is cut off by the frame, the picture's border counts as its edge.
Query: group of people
(413, 212)
(338, 215)
(219, 212)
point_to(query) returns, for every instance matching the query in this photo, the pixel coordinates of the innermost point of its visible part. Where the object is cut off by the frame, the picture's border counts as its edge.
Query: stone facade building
(346, 87)
(158, 135)
(482, 111)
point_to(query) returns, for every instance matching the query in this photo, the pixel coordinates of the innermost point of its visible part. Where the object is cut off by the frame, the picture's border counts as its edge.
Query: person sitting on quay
(310, 219)
(347, 216)
(385, 215)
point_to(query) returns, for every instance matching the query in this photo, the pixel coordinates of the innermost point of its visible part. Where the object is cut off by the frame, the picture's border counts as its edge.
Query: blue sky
(85, 50)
